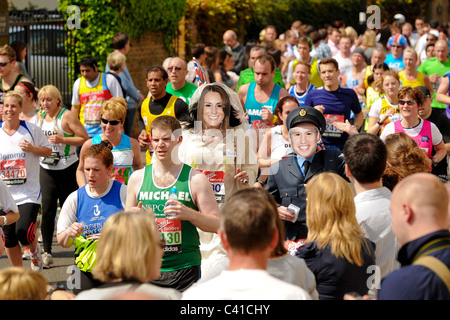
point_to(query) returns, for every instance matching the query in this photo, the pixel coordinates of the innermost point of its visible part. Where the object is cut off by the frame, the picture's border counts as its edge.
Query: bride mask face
(213, 111)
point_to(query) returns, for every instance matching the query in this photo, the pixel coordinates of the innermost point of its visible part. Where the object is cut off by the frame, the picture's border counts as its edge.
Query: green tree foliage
(102, 19)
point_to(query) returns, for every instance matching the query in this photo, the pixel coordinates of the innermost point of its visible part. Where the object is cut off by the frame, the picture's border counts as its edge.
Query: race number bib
(91, 113)
(217, 180)
(331, 131)
(13, 172)
(171, 233)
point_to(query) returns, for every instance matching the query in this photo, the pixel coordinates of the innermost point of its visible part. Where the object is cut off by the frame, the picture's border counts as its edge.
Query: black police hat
(306, 114)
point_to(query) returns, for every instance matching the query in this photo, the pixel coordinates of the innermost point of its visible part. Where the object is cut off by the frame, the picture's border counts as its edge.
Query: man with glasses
(236, 49)
(432, 38)
(178, 85)
(9, 78)
(90, 91)
(394, 60)
(288, 177)
(158, 103)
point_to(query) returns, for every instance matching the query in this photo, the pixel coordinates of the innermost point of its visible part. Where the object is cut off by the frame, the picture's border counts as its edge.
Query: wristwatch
(434, 162)
(260, 182)
(380, 123)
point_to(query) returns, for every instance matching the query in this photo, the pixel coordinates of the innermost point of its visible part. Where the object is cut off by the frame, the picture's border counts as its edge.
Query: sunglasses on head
(408, 102)
(3, 64)
(111, 122)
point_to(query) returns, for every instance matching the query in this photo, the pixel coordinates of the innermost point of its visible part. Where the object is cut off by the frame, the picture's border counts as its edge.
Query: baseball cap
(425, 91)
(306, 114)
(358, 50)
(398, 38)
(399, 18)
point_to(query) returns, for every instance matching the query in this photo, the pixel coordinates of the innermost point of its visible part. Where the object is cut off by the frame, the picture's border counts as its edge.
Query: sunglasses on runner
(111, 122)
(408, 102)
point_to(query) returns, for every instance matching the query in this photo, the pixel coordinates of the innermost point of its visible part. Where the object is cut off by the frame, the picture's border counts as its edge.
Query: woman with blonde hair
(384, 109)
(337, 251)
(57, 174)
(410, 76)
(118, 266)
(404, 158)
(17, 283)
(126, 150)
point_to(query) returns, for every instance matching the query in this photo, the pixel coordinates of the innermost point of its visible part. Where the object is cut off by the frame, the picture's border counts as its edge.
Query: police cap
(306, 114)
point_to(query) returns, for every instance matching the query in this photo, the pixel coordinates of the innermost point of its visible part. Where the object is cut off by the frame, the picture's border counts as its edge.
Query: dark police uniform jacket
(287, 185)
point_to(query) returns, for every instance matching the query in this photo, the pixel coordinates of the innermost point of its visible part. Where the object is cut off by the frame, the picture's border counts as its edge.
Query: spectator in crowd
(119, 268)
(9, 77)
(224, 65)
(334, 36)
(419, 207)
(404, 158)
(18, 283)
(343, 56)
(248, 230)
(335, 240)
(288, 177)
(365, 162)
(236, 49)
(275, 145)
(178, 86)
(133, 96)
(197, 52)
(21, 52)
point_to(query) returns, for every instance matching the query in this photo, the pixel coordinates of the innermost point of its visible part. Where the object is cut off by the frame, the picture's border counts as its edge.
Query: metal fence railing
(45, 36)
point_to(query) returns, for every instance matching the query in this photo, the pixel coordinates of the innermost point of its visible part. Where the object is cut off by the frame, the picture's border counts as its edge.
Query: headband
(25, 88)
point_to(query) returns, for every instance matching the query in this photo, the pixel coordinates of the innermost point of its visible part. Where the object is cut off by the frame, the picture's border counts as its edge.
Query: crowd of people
(306, 165)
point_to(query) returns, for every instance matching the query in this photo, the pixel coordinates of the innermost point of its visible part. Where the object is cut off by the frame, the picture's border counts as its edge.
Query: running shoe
(26, 253)
(47, 260)
(36, 260)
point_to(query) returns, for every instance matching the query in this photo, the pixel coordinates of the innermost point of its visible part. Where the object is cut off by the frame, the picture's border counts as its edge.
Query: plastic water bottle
(173, 195)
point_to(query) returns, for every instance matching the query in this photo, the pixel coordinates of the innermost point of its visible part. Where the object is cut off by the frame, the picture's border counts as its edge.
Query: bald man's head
(419, 206)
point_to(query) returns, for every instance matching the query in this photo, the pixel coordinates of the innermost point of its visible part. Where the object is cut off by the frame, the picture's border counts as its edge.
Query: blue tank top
(254, 107)
(301, 98)
(351, 81)
(94, 211)
(123, 158)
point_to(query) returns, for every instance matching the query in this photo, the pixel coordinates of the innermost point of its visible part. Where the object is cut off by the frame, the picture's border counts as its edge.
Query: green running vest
(181, 237)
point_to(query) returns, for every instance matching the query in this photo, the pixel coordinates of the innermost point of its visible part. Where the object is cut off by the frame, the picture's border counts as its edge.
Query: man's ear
(347, 171)
(274, 240)
(223, 239)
